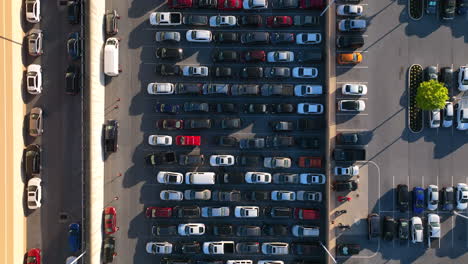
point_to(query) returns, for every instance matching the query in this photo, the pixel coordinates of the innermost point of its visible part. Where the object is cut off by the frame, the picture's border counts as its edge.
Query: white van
(200, 178)
(111, 57)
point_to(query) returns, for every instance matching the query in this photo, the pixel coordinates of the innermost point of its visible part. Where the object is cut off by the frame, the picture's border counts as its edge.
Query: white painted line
(353, 129)
(342, 114)
(351, 96)
(408, 212)
(358, 82)
(236, 29)
(350, 51)
(352, 67)
(422, 181)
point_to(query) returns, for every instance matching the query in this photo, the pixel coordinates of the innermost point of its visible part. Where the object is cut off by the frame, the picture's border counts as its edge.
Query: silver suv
(35, 42)
(35, 122)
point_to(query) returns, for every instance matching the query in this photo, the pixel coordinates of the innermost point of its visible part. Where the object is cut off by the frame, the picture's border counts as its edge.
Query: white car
(280, 56)
(246, 211)
(312, 178)
(347, 171)
(433, 226)
(34, 193)
(34, 79)
(434, 118)
(354, 89)
(308, 38)
(308, 90)
(195, 71)
(221, 160)
(258, 177)
(170, 195)
(305, 231)
(462, 196)
(223, 21)
(462, 116)
(215, 211)
(447, 119)
(275, 248)
(160, 140)
(161, 88)
(197, 195)
(199, 36)
(159, 248)
(191, 229)
(33, 11)
(463, 78)
(309, 109)
(416, 230)
(255, 4)
(349, 10)
(283, 196)
(352, 25)
(305, 72)
(432, 197)
(351, 105)
(168, 177)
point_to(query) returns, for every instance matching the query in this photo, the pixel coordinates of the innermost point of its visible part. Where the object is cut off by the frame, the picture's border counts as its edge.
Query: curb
(409, 12)
(408, 92)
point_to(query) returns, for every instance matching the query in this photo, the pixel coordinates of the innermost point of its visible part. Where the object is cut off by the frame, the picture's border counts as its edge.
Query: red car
(279, 21)
(310, 162)
(312, 4)
(253, 56)
(110, 218)
(229, 4)
(306, 214)
(188, 140)
(34, 256)
(158, 212)
(179, 3)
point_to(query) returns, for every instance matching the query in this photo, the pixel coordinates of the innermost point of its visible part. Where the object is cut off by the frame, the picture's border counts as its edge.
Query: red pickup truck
(188, 140)
(310, 162)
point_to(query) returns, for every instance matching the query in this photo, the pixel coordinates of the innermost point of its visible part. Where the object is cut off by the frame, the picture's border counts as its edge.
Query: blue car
(73, 46)
(418, 200)
(74, 237)
(167, 108)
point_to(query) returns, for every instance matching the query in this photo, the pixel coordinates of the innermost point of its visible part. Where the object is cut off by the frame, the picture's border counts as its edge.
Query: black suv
(168, 70)
(252, 72)
(187, 211)
(195, 20)
(169, 53)
(226, 37)
(74, 14)
(353, 42)
(72, 80)
(275, 230)
(402, 197)
(373, 222)
(111, 133)
(279, 141)
(225, 56)
(191, 160)
(250, 20)
(222, 230)
(257, 196)
(249, 160)
(255, 38)
(32, 161)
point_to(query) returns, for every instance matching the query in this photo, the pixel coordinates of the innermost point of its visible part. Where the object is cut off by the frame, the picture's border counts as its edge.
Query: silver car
(168, 36)
(197, 195)
(35, 122)
(170, 195)
(35, 42)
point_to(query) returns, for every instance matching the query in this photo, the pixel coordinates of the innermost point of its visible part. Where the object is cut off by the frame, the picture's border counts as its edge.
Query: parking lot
(395, 155)
(131, 185)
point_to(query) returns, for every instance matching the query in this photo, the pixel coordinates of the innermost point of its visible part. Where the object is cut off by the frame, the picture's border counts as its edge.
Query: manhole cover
(63, 217)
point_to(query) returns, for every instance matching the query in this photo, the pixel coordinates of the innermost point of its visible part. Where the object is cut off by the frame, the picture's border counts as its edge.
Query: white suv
(246, 211)
(416, 230)
(191, 229)
(33, 11)
(434, 118)
(432, 197)
(275, 248)
(34, 193)
(463, 78)
(34, 79)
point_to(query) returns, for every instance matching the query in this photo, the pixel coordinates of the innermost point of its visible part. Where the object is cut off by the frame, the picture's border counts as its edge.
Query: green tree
(431, 95)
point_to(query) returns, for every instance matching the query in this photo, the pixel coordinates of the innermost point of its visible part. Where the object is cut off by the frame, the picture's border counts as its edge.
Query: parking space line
(344, 98)
(422, 181)
(393, 205)
(408, 211)
(342, 114)
(349, 51)
(240, 30)
(352, 67)
(353, 129)
(358, 82)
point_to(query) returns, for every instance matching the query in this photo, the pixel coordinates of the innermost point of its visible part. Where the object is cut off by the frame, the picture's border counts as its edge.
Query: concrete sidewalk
(12, 219)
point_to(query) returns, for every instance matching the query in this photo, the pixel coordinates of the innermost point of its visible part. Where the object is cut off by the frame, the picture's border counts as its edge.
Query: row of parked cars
(231, 5)
(302, 124)
(446, 8)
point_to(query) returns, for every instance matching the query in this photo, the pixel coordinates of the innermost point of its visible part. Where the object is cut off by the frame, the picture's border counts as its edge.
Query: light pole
(326, 8)
(328, 252)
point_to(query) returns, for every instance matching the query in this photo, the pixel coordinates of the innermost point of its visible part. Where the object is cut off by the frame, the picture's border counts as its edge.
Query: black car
(248, 247)
(347, 249)
(169, 53)
(285, 4)
(222, 230)
(275, 230)
(281, 212)
(250, 20)
(226, 37)
(108, 247)
(226, 196)
(223, 72)
(227, 141)
(282, 125)
(256, 195)
(189, 88)
(225, 56)
(431, 73)
(190, 248)
(373, 223)
(245, 89)
(462, 7)
(187, 211)
(197, 123)
(195, 20)
(74, 11)
(248, 231)
(111, 135)
(73, 80)
(284, 108)
(74, 45)
(310, 124)
(279, 141)
(402, 197)
(163, 230)
(252, 72)
(285, 178)
(277, 72)
(161, 158)
(448, 9)
(388, 228)
(252, 143)
(249, 160)
(226, 108)
(32, 161)
(167, 108)
(447, 198)
(191, 160)
(446, 76)
(196, 107)
(309, 142)
(112, 26)
(231, 123)
(277, 90)
(305, 249)
(403, 229)
(256, 108)
(283, 38)
(345, 186)
(168, 70)
(348, 138)
(350, 42)
(255, 38)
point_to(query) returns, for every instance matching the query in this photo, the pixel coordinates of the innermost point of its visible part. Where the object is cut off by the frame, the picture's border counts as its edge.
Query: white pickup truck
(218, 247)
(165, 18)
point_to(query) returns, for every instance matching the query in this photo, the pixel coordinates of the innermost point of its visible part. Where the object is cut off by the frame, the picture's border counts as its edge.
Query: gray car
(245, 89)
(215, 89)
(167, 36)
(277, 72)
(35, 122)
(35, 42)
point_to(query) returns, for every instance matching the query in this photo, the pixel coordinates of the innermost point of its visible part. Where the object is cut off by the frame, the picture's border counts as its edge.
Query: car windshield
(31, 259)
(418, 227)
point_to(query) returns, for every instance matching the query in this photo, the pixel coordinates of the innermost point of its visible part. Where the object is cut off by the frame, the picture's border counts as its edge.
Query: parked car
(285, 178)
(190, 248)
(32, 161)
(202, 195)
(282, 125)
(34, 192)
(169, 53)
(34, 79)
(309, 142)
(179, 4)
(252, 143)
(253, 56)
(167, 177)
(281, 212)
(256, 196)
(248, 247)
(345, 186)
(73, 80)
(448, 9)
(248, 231)
(373, 223)
(187, 211)
(283, 196)
(188, 140)
(216, 89)
(277, 72)
(35, 37)
(431, 7)
(247, 211)
(36, 122)
(433, 226)
(229, 4)
(169, 124)
(226, 37)
(157, 248)
(279, 21)
(227, 141)
(463, 78)
(447, 198)
(258, 177)
(434, 118)
(191, 160)
(191, 229)
(308, 38)
(402, 197)
(348, 138)
(353, 42)
(312, 178)
(222, 160)
(431, 73)
(223, 21)
(347, 170)
(351, 105)
(309, 108)
(279, 141)
(462, 196)
(277, 162)
(196, 107)
(352, 25)
(256, 108)
(447, 114)
(277, 90)
(349, 58)
(160, 88)
(222, 230)
(34, 256)
(285, 4)
(432, 197)
(197, 123)
(171, 195)
(275, 230)
(33, 11)
(160, 158)
(74, 45)
(462, 7)
(167, 36)
(226, 108)
(284, 109)
(354, 89)
(111, 136)
(275, 248)
(349, 10)
(255, 38)
(225, 56)
(226, 196)
(403, 229)
(249, 160)
(388, 228)
(252, 72)
(418, 200)
(304, 72)
(209, 211)
(311, 196)
(282, 38)
(168, 70)
(74, 11)
(74, 237)
(158, 212)
(199, 36)
(245, 89)
(305, 231)
(188, 88)
(250, 20)
(416, 230)
(110, 220)
(231, 123)
(195, 20)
